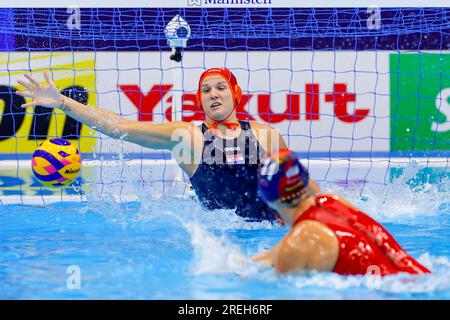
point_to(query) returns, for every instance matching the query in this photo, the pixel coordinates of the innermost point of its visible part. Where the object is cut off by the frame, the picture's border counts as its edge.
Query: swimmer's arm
(269, 138)
(268, 257)
(310, 245)
(155, 136)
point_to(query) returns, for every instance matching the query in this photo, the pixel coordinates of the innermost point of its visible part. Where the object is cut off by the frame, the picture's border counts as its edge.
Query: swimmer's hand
(263, 258)
(268, 257)
(46, 95)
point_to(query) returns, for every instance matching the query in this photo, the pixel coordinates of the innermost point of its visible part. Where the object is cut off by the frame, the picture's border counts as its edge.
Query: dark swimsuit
(227, 175)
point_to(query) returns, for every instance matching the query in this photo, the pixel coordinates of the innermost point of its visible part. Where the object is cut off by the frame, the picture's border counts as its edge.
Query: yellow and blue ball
(56, 162)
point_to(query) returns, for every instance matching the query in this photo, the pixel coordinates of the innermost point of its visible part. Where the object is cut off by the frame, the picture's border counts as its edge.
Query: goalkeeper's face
(217, 98)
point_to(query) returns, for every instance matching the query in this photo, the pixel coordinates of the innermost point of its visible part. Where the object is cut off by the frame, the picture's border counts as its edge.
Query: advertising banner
(420, 102)
(22, 130)
(319, 101)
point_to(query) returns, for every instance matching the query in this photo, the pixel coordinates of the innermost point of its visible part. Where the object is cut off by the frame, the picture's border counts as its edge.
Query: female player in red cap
(327, 233)
(221, 157)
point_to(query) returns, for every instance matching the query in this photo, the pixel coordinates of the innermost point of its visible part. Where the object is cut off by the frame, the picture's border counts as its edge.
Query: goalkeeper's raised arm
(220, 157)
(154, 136)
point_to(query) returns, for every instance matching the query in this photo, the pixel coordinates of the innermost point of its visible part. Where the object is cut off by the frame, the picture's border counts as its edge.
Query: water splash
(212, 254)
(216, 255)
(411, 195)
(437, 281)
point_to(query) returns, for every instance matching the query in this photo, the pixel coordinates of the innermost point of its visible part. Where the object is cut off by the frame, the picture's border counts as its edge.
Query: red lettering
(242, 114)
(190, 106)
(199, 114)
(145, 103)
(292, 111)
(341, 97)
(312, 101)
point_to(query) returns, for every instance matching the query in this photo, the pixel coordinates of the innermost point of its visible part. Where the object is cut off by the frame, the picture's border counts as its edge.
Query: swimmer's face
(217, 98)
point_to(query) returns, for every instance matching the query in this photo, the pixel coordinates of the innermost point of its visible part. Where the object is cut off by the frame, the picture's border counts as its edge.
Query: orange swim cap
(229, 78)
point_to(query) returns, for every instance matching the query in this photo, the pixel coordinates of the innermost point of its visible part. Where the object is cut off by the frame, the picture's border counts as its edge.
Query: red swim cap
(229, 78)
(282, 176)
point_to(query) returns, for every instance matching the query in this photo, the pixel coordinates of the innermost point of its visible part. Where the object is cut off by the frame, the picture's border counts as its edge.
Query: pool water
(171, 248)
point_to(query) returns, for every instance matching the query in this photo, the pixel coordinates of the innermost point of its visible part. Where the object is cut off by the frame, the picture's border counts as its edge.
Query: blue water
(172, 249)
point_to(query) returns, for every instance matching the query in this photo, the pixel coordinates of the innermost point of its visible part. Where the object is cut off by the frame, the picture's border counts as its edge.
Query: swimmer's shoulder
(339, 199)
(268, 137)
(260, 126)
(309, 245)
